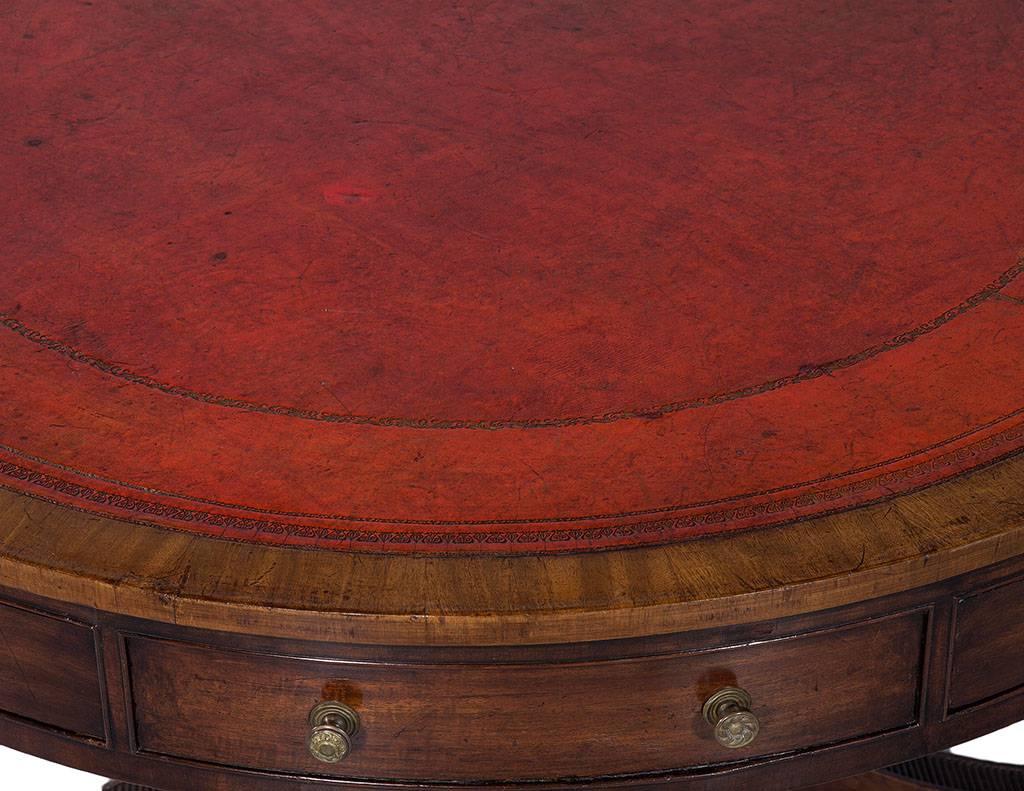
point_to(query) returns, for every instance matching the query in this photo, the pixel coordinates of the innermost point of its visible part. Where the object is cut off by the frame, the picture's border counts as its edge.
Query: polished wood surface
(902, 543)
(837, 692)
(872, 781)
(613, 716)
(49, 672)
(989, 628)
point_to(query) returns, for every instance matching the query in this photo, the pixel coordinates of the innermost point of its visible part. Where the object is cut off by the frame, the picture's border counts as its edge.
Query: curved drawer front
(987, 645)
(465, 721)
(49, 672)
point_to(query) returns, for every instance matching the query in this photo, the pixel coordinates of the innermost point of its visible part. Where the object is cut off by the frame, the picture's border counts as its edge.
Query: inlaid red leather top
(506, 277)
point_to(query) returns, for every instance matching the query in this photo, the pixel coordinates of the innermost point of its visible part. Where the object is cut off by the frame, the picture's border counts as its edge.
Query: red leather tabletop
(506, 277)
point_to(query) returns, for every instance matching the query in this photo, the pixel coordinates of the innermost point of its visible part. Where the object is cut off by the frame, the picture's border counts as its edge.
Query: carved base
(115, 785)
(939, 772)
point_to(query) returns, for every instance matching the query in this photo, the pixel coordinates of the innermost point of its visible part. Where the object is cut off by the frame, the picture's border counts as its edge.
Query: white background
(23, 773)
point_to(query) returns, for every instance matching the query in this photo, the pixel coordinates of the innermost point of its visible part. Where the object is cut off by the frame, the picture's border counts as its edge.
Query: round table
(526, 394)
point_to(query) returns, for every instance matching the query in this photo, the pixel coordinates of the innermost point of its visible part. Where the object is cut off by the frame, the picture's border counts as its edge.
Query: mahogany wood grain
(420, 721)
(906, 542)
(989, 633)
(49, 671)
(204, 655)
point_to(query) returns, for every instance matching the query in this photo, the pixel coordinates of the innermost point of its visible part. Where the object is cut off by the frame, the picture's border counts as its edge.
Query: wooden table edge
(914, 540)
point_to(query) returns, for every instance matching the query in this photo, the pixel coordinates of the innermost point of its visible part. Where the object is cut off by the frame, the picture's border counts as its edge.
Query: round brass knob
(332, 727)
(728, 712)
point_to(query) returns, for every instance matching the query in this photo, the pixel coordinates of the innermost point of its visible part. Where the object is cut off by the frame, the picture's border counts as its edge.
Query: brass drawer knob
(728, 712)
(332, 727)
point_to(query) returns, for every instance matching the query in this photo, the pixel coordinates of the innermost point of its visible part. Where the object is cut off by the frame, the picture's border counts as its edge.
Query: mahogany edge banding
(909, 551)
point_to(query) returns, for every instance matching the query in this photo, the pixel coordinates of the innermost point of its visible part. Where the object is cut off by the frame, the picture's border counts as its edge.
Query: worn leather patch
(506, 277)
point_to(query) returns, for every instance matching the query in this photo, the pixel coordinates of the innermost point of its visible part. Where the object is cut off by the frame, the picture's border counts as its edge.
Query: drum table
(522, 394)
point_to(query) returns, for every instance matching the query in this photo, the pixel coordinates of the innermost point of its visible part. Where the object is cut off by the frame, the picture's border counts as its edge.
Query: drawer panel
(459, 721)
(988, 645)
(49, 671)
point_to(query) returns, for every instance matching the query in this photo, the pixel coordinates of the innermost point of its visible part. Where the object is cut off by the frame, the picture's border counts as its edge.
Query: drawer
(459, 721)
(988, 645)
(49, 672)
